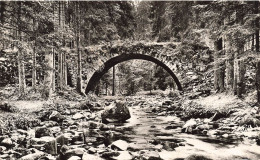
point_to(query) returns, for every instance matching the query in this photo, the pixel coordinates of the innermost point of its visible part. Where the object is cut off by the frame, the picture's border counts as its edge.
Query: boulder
(75, 152)
(92, 106)
(116, 112)
(119, 145)
(49, 123)
(109, 155)
(56, 116)
(197, 157)
(55, 130)
(124, 155)
(151, 155)
(48, 143)
(170, 146)
(67, 152)
(78, 116)
(61, 140)
(74, 158)
(33, 156)
(189, 126)
(7, 142)
(93, 125)
(87, 156)
(2, 149)
(92, 150)
(258, 141)
(42, 131)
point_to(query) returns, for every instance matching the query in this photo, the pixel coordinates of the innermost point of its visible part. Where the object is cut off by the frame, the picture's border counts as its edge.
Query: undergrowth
(15, 121)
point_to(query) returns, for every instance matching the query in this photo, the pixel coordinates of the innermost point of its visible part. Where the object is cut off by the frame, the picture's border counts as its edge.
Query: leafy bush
(19, 121)
(6, 107)
(249, 121)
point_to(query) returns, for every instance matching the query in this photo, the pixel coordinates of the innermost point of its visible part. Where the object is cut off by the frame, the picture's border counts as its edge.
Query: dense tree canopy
(39, 40)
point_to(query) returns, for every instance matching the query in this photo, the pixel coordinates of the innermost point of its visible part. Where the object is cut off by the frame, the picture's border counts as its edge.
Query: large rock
(78, 116)
(48, 143)
(74, 158)
(56, 116)
(124, 155)
(189, 126)
(42, 131)
(87, 156)
(151, 155)
(7, 142)
(197, 157)
(258, 140)
(33, 156)
(119, 145)
(116, 112)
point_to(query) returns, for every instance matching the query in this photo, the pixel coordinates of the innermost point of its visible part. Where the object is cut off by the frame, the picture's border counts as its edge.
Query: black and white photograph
(129, 80)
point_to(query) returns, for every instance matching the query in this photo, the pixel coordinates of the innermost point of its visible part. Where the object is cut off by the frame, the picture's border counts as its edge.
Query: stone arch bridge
(97, 60)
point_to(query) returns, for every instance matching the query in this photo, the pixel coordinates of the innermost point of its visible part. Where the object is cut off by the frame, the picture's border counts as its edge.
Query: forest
(40, 39)
(136, 110)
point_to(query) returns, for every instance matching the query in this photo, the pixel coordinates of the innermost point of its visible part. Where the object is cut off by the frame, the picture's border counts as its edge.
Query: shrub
(6, 107)
(19, 121)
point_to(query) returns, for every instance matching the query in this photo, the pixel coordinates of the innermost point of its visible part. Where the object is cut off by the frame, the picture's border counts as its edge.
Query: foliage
(7, 107)
(19, 121)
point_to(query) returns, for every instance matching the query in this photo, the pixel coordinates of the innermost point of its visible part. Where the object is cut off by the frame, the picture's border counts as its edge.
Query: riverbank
(64, 129)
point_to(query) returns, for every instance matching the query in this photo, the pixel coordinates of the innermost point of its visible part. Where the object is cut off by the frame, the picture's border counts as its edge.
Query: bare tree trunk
(239, 77)
(257, 50)
(258, 80)
(53, 54)
(34, 68)
(106, 88)
(79, 76)
(229, 67)
(21, 71)
(218, 68)
(53, 75)
(113, 87)
(60, 81)
(48, 75)
(64, 70)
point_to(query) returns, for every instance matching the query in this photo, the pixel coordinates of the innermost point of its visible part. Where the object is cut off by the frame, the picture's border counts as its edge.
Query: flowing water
(147, 131)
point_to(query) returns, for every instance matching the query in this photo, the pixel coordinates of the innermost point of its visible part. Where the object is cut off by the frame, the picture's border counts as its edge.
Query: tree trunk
(257, 50)
(48, 75)
(106, 88)
(258, 80)
(218, 68)
(53, 75)
(79, 76)
(229, 67)
(53, 54)
(20, 57)
(34, 68)
(64, 70)
(113, 87)
(60, 80)
(239, 77)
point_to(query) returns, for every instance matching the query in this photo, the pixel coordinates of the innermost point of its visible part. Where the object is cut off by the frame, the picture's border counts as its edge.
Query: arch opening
(93, 81)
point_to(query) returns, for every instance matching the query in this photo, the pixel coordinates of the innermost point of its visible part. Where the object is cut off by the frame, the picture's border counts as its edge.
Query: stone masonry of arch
(94, 57)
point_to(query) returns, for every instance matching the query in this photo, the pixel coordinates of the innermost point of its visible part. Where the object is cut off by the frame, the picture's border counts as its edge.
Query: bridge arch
(93, 81)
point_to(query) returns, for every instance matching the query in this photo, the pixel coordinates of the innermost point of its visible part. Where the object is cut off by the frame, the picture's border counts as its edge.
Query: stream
(159, 134)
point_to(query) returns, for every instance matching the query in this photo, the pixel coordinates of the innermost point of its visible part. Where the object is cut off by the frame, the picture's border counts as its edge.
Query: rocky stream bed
(155, 131)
